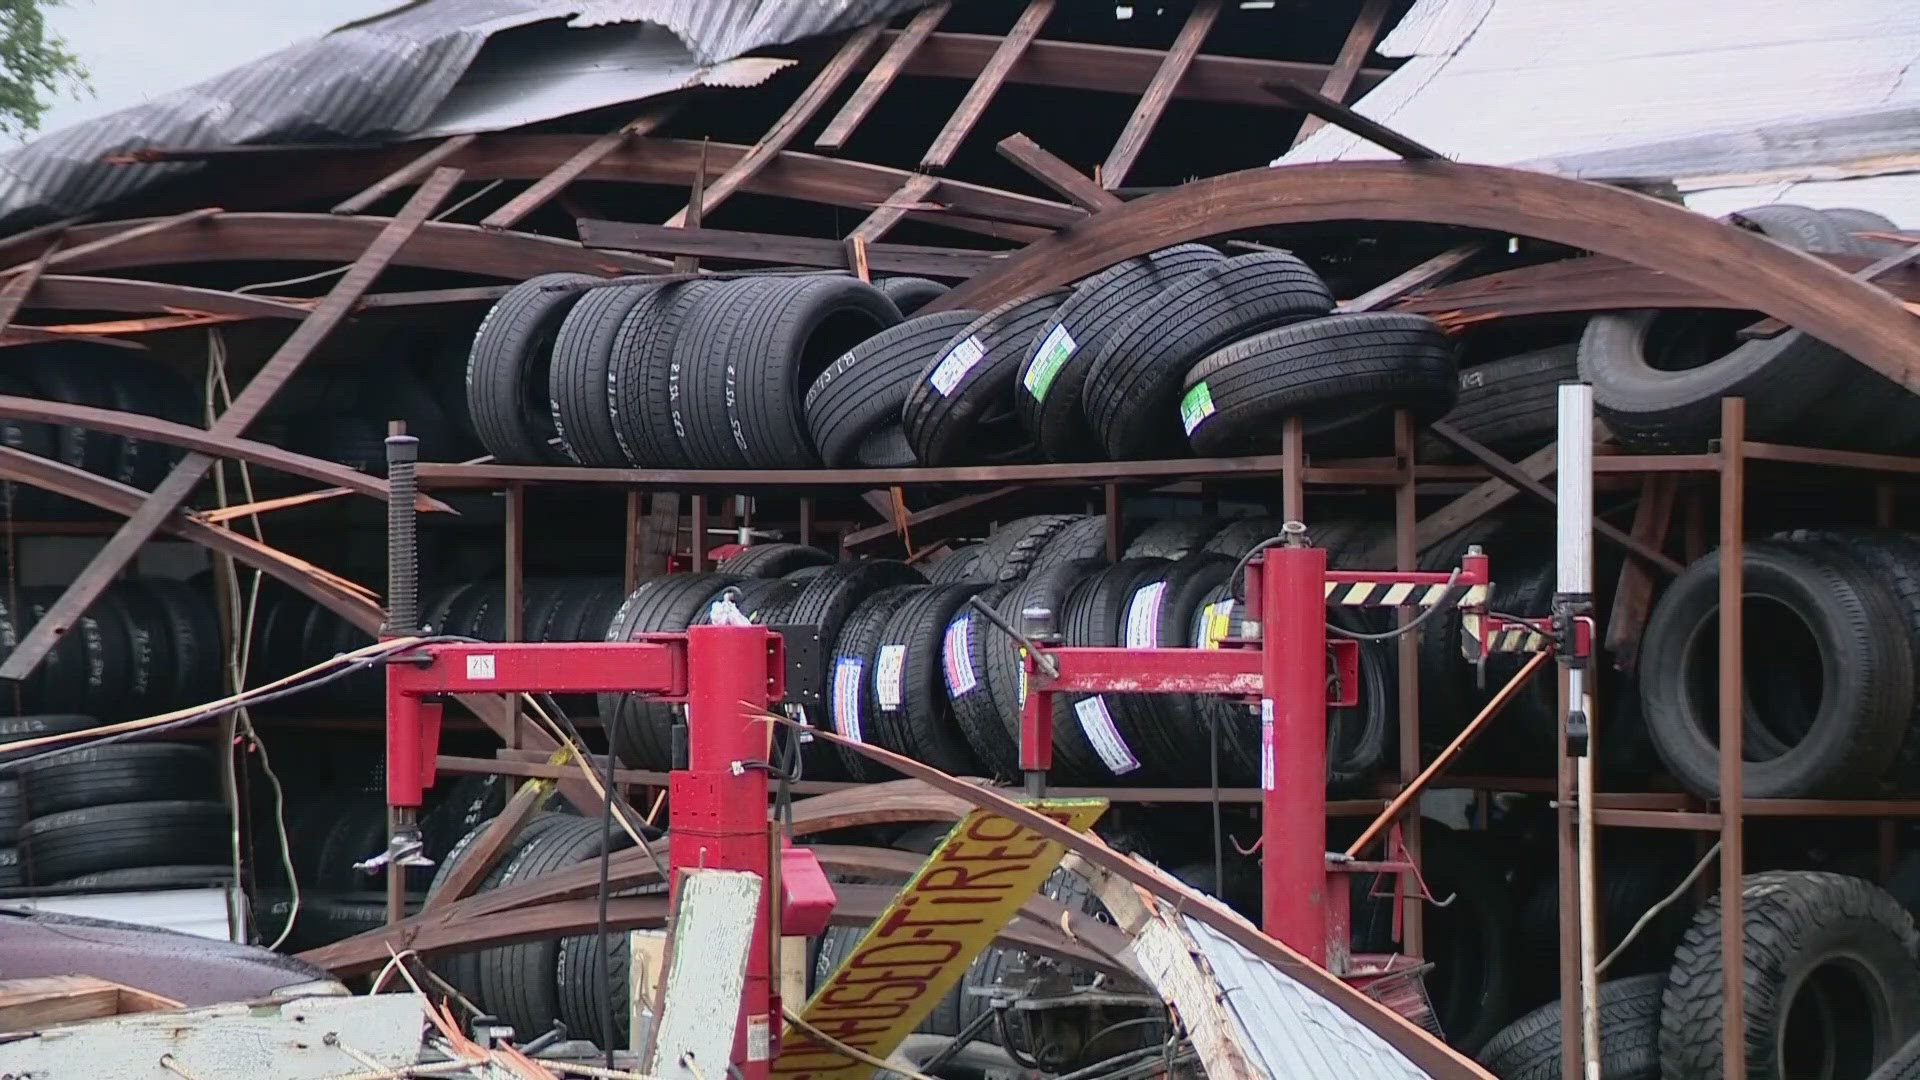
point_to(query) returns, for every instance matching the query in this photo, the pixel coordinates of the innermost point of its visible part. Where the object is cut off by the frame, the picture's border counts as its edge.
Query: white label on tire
(1054, 350)
(1143, 616)
(956, 652)
(1266, 744)
(1196, 406)
(1216, 621)
(954, 366)
(1097, 722)
(846, 696)
(888, 675)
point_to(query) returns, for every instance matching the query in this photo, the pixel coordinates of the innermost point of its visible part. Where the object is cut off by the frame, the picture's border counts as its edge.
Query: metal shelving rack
(1399, 476)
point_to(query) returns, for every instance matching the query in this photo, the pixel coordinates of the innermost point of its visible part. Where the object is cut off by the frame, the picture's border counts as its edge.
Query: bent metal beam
(1751, 271)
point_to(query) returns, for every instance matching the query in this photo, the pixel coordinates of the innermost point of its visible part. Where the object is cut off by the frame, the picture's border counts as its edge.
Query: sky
(137, 50)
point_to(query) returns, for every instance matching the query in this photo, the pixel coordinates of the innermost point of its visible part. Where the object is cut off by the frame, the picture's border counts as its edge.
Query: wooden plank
(1069, 182)
(698, 1000)
(695, 214)
(1369, 129)
(31, 1004)
(114, 239)
(881, 75)
(1146, 114)
(782, 250)
(14, 293)
(1633, 597)
(1768, 328)
(1178, 970)
(1353, 52)
(403, 176)
(911, 196)
(1419, 277)
(484, 855)
(172, 492)
(787, 128)
(543, 190)
(986, 84)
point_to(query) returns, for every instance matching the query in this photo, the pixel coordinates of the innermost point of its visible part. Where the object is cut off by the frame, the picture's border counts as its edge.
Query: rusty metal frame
(1749, 270)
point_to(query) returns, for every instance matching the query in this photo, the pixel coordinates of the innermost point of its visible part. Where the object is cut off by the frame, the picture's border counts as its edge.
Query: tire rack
(1727, 459)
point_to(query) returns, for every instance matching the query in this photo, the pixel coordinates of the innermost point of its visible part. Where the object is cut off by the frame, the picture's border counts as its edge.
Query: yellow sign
(923, 943)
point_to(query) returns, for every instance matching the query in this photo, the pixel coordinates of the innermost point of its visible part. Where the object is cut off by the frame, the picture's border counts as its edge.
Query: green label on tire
(1196, 406)
(1053, 352)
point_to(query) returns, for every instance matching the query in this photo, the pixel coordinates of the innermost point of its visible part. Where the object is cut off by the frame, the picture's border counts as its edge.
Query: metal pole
(1574, 600)
(403, 620)
(1733, 475)
(1293, 745)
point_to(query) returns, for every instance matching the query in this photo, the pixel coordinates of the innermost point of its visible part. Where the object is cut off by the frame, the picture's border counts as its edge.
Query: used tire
(1529, 1048)
(773, 560)
(76, 842)
(643, 378)
(1010, 553)
(462, 969)
(21, 728)
(910, 294)
(1007, 674)
(1856, 221)
(863, 391)
(577, 380)
(154, 877)
(1512, 404)
(1832, 981)
(1343, 375)
(1829, 676)
(1798, 226)
(1174, 538)
(961, 409)
(507, 369)
(1903, 1065)
(1085, 538)
(912, 713)
(98, 775)
(1054, 372)
(1133, 386)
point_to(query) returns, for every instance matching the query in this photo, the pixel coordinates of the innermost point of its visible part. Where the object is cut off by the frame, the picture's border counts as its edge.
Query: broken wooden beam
(881, 75)
(782, 250)
(406, 174)
(1353, 52)
(1152, 103)
(1070, 183)
(543, 190)
(1340, 115)
(986, 85)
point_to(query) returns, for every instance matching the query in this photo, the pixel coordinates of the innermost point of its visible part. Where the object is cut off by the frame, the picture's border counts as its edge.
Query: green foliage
(34, 65)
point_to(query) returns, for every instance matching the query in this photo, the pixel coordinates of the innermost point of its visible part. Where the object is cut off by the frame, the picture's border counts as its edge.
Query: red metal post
(1293, 748)
(719, 808)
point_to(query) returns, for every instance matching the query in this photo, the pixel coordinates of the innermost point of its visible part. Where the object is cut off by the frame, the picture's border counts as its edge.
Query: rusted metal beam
(544, 189)
(115, 235)
(1751, 271)
(1073, 185)
(986, 84)
(782, 250)
(1146, 114)
(881, 75)
(172, 492)
(1372, 130)
(787, 128)
(1475, 504)
(405, 175)
(1416, 278)
(1633, 596)
(1353, 52)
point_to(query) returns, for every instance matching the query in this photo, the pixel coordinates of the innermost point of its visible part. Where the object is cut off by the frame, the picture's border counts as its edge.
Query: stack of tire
(1832, 982)
(1658, 377)
(147, 645)
(119, 815)
(81, 373)
(535, 984)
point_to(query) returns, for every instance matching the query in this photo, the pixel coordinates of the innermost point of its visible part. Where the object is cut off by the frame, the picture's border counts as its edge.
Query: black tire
(1054, 371)
(1511, 404)
(910, 294)
(507, 369)
(1342, 375)
(21, 728)
(751, 349)
(666, 604)
(1359, 736)
(153, 877)
(12, 809)
(1798, 226)
(1133, 386)
(823, 606)
(1174, 538)
(1832, 982)
(1085, 538)
(1529, 1048)
(1159, 614)
(76, 842)
(1632, 879)
(98, 775)
(913, 714)
(65, 374)
(1815, 627)
(1007, 675)
(1221, 616)
(956, 566)
(462, 969)
(583, 355)
(885, 448)
(643, 380)
(193, 633)
(856, 708)
(863, 391)
(961, 409)
(1010, 553)
(1088, 728)
(773, 560)
(1903, 1065)
(139, 386)
(963, 667)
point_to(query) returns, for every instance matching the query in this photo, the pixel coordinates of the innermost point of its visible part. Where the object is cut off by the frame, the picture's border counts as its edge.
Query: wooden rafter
(14, 293)
(544, 189)
(260, 391)
(881, 75)
(787, 128)
(986, 85)
(1416, 278)
(116, 237)
(405, 175)
(1366, 127)
(777, 249)
(1073, 185)
(1346, 66)
(911, 196)
(1146, 114)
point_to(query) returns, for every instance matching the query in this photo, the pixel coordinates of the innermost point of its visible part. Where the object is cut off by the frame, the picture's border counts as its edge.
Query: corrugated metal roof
(402, 75)
(1294, 1031)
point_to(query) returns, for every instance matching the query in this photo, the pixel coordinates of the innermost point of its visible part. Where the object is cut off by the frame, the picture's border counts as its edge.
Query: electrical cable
(1641, 924)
